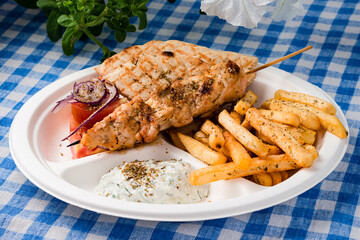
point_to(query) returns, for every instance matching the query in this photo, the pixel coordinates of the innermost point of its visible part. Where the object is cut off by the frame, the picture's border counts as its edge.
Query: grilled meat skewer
(174, 105)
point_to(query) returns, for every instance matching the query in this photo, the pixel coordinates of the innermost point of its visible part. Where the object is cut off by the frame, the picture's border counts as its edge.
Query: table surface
(29, 61)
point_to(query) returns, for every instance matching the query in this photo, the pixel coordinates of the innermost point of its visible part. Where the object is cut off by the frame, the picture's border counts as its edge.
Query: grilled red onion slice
(60, 104)
(113, 95)
(91, 92)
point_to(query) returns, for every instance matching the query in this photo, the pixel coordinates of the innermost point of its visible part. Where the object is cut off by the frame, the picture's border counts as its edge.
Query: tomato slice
(79, 150)
(79, 113)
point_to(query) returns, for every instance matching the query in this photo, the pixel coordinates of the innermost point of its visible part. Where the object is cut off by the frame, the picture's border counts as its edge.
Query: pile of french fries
(266, 144)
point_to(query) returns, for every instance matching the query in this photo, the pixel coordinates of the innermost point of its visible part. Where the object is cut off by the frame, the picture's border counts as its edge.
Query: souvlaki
(167, 84)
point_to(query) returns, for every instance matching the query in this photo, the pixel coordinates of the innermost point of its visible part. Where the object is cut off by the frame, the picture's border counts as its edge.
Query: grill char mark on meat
(232, 67)
(207, 87)
(168, 53)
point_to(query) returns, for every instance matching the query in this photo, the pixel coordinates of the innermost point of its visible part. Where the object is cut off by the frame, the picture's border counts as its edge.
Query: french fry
(307, 118)
(295, 132)
(202, 137)
(237, 152)
(302, 134)
(281, 117)
(246, 102)
(229, 170)
(291, 172)
(285, 131)
(272, 149)
(284, 175)
(246, 138)
(283, 139)
(307, 135)
(216, 138)
(330, 122)
(236, 116)
(311, 149)
(306, 99)
(225, 151)
(246, 125)
(264, 138)
(174, 137)
(266, 104)
(201, 151)
(276, 178)
(263, 179)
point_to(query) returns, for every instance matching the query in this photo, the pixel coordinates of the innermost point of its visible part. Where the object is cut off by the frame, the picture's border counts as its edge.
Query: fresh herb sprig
(72, 20)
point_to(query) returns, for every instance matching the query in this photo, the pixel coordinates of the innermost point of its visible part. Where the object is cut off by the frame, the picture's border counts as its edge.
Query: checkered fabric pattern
(29, 61)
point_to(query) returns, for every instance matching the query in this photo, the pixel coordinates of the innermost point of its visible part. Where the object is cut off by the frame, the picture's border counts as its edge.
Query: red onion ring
(90, 92)
(62, 103)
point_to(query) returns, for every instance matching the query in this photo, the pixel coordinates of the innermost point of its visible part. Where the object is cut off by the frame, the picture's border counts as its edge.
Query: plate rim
(141, 212)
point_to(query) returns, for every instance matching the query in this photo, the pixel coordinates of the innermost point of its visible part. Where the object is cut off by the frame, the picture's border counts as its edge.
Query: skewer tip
(279, 60)
(74, 143)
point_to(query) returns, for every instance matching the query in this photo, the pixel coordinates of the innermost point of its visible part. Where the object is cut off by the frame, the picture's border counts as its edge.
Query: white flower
(287, 9)
(245, 13)
(248, 13)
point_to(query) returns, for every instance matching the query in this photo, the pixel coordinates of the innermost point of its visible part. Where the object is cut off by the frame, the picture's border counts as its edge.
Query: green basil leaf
(80, 6)
(63, 10)
(143, 19)
(77, 16)
(66, 21)
(110, 13)
(110, 24)
(27, 3)
(120, 35)
(98, 9)
(131, 28)
(97, 30)
(143, 8)
(110, 4)
(120, 4)
(53, 28)
(124, 22)
(92, 18)
(47, 4)
(70, 37)
(69, 5)
(115, 22)
(126, 11)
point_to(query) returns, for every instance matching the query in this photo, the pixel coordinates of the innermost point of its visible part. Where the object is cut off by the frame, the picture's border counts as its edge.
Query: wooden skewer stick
(279, 60)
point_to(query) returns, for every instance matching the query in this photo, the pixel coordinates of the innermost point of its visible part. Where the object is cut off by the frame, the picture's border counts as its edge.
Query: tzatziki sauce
(152, 181)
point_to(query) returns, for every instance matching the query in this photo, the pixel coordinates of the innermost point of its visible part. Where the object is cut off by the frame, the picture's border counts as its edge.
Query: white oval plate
(36, 147)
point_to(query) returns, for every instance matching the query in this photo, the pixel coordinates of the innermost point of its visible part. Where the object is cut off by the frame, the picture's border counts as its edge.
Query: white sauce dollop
(152, 182)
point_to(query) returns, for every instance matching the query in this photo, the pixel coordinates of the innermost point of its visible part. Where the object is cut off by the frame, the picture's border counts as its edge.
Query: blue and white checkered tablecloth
(29, 61)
